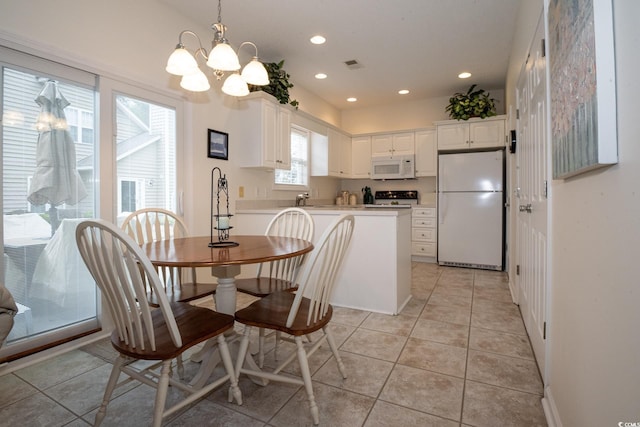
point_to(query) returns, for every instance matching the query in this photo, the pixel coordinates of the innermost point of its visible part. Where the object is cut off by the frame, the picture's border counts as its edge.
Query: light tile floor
(457, 355)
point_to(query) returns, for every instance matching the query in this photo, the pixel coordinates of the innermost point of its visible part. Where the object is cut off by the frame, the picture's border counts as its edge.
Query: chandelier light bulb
(254, 73)
(195, 82)
(181, 62)
(234, 85)
(223, 58)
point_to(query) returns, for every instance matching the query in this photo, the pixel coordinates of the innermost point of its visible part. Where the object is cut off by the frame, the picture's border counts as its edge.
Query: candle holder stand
(220, 222)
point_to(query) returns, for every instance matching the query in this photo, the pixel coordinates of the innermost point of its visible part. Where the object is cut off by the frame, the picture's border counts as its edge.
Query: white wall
(414, 114)
(594, 320)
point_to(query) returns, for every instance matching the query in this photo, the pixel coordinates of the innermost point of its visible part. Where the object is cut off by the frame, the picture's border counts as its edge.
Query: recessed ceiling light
(352, 99)
(321, 76)
(403, 91)
(317, 40)
(464, 75)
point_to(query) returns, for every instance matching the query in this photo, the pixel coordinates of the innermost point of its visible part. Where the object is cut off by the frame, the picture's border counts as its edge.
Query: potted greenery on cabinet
(473, 103)
(278, 83)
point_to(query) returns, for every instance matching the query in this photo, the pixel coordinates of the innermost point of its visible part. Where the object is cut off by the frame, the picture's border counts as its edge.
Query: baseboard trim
(550, 409)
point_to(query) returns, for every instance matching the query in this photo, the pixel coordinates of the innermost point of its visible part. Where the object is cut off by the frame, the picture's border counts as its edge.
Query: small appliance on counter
(367, 196)
(398, 199)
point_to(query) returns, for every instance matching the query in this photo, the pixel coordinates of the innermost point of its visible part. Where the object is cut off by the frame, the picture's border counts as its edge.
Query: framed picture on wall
(583, 87)
(218, 145)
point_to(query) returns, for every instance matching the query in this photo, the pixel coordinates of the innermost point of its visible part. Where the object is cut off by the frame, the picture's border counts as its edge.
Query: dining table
(225, 263)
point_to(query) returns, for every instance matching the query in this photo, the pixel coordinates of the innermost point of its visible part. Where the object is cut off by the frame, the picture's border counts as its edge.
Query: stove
(395, 199)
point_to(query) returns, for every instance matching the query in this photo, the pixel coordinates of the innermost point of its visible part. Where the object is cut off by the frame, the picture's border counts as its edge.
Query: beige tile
(434, 356)
(441, 298)
(448, 314)
(78, 422)
(285, 349)
(425, 391)
(207, 413)
(490, 277)
(489, 406)
(35, 410)
(398, 325)
(260, 402)
(414, 307)
(455, 288)
(13, 389)
(337, 407)
(59, 369)
(460, 275)
(375, 344)
(134, 407)
(364, 374)
(497, 316)
(348, 316)
(385, 414)
(84, 393)
(502, 295)
(421, 292)
(504, 371)
(500, 342)
(444, 333)
(339, 332)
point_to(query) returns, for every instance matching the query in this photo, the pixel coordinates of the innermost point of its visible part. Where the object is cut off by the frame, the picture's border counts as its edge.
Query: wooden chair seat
(195, 324)
(273, 310)
(263, 286)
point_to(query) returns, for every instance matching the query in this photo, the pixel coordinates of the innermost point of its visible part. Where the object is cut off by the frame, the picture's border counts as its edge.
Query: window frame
(297, 187)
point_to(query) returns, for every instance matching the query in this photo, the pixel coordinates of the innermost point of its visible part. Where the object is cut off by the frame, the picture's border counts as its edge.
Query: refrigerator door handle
(442, 208)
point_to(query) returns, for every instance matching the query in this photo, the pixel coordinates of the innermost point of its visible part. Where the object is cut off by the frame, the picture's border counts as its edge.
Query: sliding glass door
(49, 150)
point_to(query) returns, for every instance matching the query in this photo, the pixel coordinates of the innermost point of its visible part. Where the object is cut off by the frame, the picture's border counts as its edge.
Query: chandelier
(222, 58)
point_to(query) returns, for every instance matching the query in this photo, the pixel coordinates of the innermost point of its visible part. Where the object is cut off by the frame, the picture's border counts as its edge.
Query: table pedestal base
(225, 303)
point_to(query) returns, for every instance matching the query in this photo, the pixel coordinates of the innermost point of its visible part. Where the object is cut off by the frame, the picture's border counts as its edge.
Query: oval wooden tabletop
(195, 251)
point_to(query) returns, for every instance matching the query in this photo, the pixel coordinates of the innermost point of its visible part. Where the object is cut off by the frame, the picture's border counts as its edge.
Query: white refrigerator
(471, 209)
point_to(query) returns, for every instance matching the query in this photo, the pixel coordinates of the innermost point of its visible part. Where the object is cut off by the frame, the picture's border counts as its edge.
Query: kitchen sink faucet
(301, 199)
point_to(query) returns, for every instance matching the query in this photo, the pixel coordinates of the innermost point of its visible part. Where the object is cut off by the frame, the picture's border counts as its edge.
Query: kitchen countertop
(337, 209)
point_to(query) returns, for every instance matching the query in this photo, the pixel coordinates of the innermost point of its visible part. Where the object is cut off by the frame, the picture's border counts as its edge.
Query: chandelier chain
(219, 11)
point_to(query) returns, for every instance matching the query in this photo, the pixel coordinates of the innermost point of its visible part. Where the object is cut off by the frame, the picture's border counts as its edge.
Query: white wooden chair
(290, 222)
(153, 224)
(120, 269)
(304, 312)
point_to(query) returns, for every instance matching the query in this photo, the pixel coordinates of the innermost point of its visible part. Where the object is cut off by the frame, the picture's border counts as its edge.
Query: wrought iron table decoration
(221, 220)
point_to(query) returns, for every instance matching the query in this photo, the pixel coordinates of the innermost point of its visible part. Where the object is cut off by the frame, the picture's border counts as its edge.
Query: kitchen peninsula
(376, 274)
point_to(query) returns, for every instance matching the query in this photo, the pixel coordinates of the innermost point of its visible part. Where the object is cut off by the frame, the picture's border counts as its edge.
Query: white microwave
(393, 167)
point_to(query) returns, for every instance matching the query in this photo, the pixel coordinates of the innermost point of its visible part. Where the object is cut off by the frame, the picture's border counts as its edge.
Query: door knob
(525, 208)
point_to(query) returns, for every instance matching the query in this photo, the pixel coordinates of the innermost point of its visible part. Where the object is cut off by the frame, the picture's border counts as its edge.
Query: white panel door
(533, 175)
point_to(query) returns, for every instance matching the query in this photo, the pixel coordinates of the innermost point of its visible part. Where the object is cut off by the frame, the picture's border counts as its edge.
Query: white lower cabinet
(424, 239)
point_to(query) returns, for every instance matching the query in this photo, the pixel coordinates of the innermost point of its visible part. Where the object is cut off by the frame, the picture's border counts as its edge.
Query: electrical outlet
(241, 191)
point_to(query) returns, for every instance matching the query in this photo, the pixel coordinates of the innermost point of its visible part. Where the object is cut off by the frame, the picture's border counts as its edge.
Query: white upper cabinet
(331, 156)
(264, 134)
(396, 144)
(361, 157)
(474, 133)
(339, 154)
(426, 153)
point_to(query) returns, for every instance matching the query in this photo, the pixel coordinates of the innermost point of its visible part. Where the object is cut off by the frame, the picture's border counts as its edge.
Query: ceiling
(419, 45)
